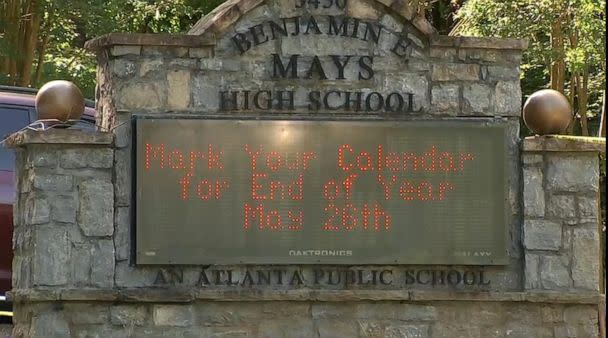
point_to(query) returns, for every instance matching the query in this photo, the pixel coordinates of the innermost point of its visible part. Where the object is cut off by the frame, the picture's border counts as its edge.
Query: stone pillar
(561, 235)
(63, 220)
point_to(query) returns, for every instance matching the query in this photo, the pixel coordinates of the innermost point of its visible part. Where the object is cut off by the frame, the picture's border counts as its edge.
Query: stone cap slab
(141, 39)
(197, 41)
(58, 136)
(478, 42)
(563, 143)
(204, 32)
(187, 295)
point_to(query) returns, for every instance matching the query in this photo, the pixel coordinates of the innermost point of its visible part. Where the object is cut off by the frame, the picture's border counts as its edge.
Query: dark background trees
(42, 40)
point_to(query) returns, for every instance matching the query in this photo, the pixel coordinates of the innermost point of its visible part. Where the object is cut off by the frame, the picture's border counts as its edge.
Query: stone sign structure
(77, 271)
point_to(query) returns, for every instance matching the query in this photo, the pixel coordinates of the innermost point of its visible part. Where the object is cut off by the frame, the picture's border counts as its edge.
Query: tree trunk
(3, 20)
(583, 99)
(602, 131)
(558, 66)
(41, 51)
(23, 19)
(21, 26)
(12, 38)
(574, 85)
(571, 98)
(30, 40)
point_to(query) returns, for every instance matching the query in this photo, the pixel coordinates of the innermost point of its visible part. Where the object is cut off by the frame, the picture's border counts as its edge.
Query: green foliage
(583, 32)
(166, 16)
(68, 24)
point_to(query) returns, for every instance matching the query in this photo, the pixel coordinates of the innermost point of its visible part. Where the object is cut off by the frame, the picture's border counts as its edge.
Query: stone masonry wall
(452, 78)
(310, 319)
(66, 283)
(465, 77)
(561, 225)
(74, 272)
(63, 217)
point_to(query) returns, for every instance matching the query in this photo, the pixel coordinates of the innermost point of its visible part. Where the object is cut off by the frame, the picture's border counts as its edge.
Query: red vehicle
(17, 110)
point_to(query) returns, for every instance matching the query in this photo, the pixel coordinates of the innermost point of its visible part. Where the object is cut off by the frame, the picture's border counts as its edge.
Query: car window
(11, 120)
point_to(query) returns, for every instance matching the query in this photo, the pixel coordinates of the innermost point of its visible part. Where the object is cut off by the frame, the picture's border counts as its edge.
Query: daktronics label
(265, 192)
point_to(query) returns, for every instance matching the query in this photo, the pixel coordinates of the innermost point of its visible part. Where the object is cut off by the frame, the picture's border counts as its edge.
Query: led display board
(219, 191)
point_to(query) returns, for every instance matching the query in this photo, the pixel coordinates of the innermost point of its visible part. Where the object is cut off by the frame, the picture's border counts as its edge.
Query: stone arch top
(227, 14)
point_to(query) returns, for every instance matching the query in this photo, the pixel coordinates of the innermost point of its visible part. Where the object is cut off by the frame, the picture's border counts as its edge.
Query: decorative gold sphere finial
(59, 100)
(547, 112)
